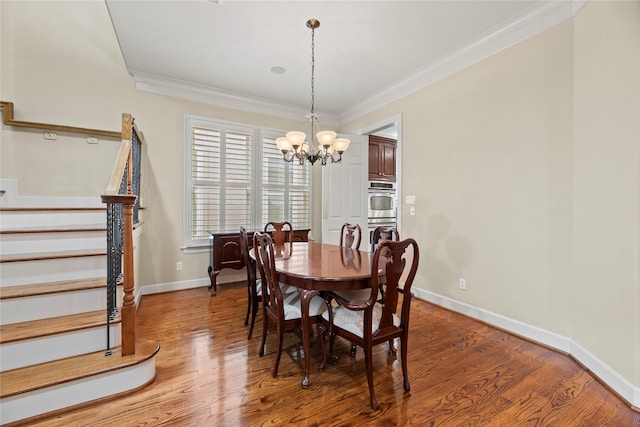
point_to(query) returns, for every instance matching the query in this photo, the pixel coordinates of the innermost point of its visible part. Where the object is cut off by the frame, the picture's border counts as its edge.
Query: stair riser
(36, 307)
(45, 349)
(44, 242)
(65, 395)
(20, 219)
(50, 270)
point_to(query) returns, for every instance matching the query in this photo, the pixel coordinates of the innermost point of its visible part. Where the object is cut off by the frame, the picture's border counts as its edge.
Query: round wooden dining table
(313, 267)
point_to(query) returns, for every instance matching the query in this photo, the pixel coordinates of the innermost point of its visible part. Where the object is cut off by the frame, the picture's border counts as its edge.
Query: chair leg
(274, 371)
(322, 336)
(332, 340)
(249, 307)
(403, 358)
(265, 325)
(254, 311)
(368, 360)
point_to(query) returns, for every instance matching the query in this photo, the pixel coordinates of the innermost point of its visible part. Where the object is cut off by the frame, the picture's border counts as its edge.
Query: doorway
(391, 128)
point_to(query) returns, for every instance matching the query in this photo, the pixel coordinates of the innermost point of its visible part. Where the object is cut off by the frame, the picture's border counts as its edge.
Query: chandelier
(322, 144)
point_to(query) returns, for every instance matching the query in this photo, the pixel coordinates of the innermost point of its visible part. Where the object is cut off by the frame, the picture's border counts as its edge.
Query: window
(235, 177)
(286, 193)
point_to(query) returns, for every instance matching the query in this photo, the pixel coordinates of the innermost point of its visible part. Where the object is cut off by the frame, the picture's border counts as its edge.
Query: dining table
(314, 267)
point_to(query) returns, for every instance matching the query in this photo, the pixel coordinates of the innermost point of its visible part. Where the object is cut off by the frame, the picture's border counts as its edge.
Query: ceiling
(366, 52)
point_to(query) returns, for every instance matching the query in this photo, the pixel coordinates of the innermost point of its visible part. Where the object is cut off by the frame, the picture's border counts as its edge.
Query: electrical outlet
(92, 140)
(50, 135)
(463, 284)
(178, 266)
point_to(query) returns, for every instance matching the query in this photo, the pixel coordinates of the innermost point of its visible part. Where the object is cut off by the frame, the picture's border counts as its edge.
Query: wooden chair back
(350, 236)
(281, 232)
(398, 274)
(244, 250)
(253, 296)
(383, 233)
(272, 298)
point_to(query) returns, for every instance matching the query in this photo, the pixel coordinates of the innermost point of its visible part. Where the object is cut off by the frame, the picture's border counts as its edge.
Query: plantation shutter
(235, 176)
(220, 180)
(286, 188)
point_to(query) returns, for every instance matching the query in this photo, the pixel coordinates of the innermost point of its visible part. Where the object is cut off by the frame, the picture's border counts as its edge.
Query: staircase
(53, 317)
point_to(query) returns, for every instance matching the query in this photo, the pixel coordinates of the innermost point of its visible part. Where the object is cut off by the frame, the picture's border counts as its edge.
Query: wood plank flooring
(462, 373)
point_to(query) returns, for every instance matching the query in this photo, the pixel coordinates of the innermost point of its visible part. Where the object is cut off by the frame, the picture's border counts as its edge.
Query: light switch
(410, 200)
(412, 211)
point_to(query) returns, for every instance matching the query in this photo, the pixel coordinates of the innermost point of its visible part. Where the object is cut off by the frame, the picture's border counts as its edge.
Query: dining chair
(350, 236)
(284, 309)
(368, 323)
(254, 283)
(380, 234)
(281, 232)
(383, 233)
(254, 294)
(351, 258)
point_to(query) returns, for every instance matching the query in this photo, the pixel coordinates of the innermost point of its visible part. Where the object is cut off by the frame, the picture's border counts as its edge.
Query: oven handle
(382, 220)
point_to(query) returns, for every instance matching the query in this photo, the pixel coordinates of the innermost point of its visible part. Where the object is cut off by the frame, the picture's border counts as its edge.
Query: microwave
(382, 200)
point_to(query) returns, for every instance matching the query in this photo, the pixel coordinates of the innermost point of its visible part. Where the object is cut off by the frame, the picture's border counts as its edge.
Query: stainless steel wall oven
(382, 205)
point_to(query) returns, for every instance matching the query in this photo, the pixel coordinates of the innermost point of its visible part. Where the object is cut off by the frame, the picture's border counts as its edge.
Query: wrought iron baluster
(136, 153)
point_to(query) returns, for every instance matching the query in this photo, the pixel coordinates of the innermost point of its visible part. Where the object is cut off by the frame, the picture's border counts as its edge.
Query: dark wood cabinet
(224, 252)
(382, 159)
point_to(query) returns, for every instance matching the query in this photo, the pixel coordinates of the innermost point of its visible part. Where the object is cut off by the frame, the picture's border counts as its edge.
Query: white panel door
(344, 191)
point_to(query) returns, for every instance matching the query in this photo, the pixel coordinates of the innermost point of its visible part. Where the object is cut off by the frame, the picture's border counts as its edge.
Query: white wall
(605, 290)
(528, 188)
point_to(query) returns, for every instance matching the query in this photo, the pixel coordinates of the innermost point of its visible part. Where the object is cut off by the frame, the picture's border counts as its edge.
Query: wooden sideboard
(224, 252)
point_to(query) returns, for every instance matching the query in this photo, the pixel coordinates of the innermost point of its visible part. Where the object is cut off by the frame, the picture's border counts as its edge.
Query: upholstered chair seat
(317, 306)
(353, 321)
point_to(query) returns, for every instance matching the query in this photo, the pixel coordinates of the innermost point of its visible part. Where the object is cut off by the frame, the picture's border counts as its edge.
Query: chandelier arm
(287, 159)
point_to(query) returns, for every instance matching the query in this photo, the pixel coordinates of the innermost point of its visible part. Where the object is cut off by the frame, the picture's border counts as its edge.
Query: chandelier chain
(313, 67)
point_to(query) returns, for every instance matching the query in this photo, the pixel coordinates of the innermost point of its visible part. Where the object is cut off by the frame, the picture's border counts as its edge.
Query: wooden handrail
(7, 119)
(118, 168)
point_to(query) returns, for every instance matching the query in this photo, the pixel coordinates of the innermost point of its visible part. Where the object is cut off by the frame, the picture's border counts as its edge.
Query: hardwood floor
(462, 373)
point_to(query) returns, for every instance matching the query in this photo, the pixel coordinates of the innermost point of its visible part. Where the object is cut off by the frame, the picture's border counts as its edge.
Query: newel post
(128, 311)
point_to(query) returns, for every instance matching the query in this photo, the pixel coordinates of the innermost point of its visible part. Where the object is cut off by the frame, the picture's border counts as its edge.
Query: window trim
(257, 135)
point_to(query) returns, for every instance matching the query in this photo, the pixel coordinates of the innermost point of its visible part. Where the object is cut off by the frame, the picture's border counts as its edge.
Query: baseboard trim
(189, 284)
(604, 373)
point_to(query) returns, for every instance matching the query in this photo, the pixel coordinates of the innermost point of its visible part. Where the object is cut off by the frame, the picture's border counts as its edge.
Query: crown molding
(533, 21)
(159, 85)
